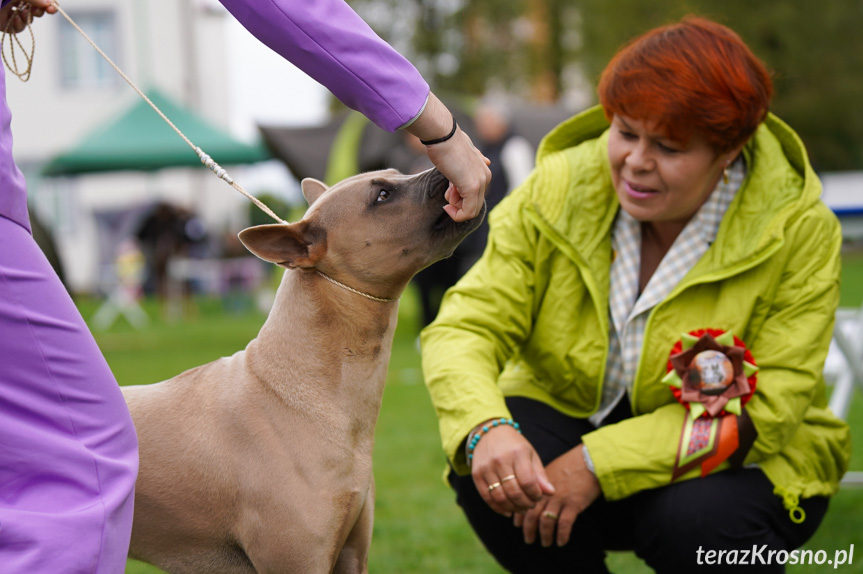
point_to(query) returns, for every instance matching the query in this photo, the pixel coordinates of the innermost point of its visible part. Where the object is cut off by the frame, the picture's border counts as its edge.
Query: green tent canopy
(140, 140)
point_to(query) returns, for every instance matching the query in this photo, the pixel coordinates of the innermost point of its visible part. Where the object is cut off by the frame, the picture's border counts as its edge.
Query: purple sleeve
(13, 190)
(332, 44)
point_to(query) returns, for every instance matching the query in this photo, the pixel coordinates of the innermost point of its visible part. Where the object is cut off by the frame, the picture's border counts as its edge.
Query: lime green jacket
(531, 317)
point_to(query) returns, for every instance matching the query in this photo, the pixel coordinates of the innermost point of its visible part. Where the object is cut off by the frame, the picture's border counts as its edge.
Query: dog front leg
(354, 557)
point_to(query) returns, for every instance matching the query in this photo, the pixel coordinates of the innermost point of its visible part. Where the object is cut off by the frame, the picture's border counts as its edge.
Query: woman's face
(659, 180)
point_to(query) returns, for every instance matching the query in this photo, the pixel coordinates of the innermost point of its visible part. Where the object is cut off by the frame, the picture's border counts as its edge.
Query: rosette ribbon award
(713, 375)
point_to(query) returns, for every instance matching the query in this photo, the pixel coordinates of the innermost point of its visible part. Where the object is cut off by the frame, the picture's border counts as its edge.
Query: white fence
(844, 369)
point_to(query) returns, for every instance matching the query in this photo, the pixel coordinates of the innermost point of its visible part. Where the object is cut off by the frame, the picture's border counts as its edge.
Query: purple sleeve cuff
(332, 44)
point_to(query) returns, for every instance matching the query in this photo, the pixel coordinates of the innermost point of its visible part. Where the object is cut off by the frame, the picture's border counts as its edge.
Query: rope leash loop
(20, 7)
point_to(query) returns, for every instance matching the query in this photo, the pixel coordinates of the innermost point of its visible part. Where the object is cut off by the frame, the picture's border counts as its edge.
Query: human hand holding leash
(508, 472)
(453, 153)
(15, 16)
(577, 488)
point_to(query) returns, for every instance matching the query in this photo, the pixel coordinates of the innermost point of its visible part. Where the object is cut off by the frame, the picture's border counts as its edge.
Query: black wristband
(443, 139)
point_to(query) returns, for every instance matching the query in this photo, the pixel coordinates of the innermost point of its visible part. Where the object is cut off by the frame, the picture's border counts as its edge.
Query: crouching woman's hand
(507, 471)
(554, 515)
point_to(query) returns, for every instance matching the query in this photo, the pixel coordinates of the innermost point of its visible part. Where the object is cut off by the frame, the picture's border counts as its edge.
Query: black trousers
(666, 527)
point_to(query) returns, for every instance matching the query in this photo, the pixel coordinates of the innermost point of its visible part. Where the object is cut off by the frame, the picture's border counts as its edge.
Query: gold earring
(725, 176)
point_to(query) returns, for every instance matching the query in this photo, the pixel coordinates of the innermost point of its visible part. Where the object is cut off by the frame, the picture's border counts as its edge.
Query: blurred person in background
(635, 363)
(68, 449)
(167, 232)
(512, 159)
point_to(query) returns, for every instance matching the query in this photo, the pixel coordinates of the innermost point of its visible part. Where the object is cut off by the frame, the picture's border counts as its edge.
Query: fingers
(463, 207)
(518, 519)
(506, 497)
(542, 518)
(502, 493)
(507, 471)
(19, 22)
(467, 205)
(468, 172)
(455, 204)
(39, 8)
(530, 522)
(524, 482)
(473, 194)
(548, 523)
(554, 516)
(545, 485)
(564, 525)
(42, 5)
(513, 493)
(491, 491)
(536, 483)
(552, 521)
(13, 22)
(17, 17)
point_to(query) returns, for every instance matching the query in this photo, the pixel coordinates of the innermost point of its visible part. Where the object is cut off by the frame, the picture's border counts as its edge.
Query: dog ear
(289, 245)
(312, 189)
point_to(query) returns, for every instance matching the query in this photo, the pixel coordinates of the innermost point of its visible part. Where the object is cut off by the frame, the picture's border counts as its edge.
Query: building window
(81, 66)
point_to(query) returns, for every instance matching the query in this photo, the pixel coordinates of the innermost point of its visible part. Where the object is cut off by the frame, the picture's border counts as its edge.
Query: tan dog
(262, 461)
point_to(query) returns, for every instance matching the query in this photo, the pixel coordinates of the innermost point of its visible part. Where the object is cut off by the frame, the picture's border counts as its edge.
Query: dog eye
(383, 195)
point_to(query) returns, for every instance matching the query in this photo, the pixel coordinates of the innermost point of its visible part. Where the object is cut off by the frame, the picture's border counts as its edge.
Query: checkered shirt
(628, 311)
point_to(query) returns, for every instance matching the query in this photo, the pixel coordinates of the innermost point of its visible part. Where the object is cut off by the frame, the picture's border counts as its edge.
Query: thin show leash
(218, 170)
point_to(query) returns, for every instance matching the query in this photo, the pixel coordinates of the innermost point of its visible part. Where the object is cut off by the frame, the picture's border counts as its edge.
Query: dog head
(373, 231)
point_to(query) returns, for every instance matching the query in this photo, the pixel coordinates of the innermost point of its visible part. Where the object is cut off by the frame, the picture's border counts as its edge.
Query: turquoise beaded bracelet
(474, 440)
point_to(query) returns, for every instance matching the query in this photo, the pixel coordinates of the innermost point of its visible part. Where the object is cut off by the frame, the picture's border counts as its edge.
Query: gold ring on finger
(550, 515)
(509, 477)
(493, 486)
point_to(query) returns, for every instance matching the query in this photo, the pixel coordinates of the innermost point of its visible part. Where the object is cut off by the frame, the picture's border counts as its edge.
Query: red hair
(695, 76)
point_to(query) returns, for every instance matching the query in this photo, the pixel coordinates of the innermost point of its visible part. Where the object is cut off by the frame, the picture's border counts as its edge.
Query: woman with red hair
(635, 361)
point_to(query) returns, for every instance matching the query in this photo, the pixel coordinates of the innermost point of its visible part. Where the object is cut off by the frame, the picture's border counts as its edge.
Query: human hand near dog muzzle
(508, 472)
(452, 152)
(467, 170)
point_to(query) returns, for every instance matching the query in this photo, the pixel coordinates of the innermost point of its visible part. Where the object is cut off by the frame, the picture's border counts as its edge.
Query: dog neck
(324, 351)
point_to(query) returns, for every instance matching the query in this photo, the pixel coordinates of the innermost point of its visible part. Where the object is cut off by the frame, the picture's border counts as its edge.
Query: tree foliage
(542, 50)
(814, 50)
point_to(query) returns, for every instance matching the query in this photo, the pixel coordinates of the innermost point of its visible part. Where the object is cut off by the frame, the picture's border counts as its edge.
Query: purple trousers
(68, 449)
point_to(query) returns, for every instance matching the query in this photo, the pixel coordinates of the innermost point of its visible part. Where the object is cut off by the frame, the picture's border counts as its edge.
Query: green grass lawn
(852, 278)
(418, 527)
